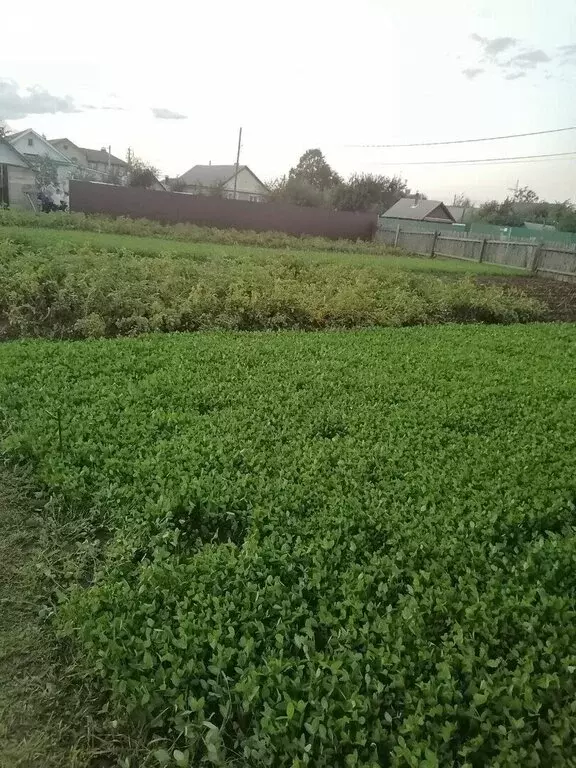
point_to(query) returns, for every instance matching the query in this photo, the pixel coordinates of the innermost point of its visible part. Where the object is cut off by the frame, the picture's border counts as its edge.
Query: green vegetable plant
(336, 549)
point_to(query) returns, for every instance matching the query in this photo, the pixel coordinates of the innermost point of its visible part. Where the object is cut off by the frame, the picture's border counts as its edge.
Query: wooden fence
(538, 258)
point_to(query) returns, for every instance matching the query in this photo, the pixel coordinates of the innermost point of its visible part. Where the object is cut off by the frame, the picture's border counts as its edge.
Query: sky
(176, 82)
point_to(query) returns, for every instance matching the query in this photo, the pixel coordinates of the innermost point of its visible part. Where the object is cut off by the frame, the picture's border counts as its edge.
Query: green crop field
(223, 245)
(64, 283)
(333, 549)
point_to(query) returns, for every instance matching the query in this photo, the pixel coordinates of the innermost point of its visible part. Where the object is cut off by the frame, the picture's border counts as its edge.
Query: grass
(48, 716)
(382, 256)
(36, 726)
(315, 549)
(69, 284)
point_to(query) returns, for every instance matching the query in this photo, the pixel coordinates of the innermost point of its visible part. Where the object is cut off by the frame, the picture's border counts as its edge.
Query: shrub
(71, 290)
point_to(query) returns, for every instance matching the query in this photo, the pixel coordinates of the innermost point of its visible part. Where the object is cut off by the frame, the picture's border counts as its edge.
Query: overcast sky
(176, 81)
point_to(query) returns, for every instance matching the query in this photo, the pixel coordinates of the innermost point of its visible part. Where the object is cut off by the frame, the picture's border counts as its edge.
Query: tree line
(313, 182)
(525, 205)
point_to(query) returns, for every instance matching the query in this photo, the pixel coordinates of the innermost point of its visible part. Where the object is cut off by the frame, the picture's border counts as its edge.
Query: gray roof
(16, 134)
(457, 211)
(24, 162)
(208, 175)
(538, 226)
(410, 208)
(101, 156)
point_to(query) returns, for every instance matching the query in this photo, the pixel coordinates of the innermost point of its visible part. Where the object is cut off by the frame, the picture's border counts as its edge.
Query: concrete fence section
(175, 207)
(535, 257)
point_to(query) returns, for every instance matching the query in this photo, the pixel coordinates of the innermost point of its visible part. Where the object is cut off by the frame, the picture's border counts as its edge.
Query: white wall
(246, 186)
(39, 147)
(73, 152)
(20, 180)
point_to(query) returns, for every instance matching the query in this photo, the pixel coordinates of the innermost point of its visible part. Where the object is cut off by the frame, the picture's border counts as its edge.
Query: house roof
(64, 138)
(418, 210)
(205, 175)
(101, 156)
(18, 155)
(539, 226)
(15, 136)
(457, 211)
(93, 155)
(213, 175)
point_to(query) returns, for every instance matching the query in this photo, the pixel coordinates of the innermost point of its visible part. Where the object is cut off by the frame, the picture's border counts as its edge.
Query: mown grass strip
(40, 238)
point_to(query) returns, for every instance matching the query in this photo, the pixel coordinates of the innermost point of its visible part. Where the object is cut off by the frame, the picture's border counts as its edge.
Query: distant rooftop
(419, 210)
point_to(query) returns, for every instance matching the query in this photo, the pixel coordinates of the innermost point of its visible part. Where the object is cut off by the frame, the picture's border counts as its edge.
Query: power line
(461, 141)
(487, 160)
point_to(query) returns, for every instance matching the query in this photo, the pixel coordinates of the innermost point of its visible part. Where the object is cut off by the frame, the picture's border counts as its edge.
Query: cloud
(567, 55)
(167, 114)
(498, 53)
(492, 47)
(529, 59)
(16, 104)
(103, 106)
(499, 45)
(472, 72)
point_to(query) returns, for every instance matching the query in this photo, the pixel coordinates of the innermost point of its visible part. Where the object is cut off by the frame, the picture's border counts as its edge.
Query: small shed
(417, 209)
(17, 178)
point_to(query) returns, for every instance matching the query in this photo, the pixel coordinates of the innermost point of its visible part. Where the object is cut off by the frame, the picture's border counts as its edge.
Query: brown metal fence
(174, 207)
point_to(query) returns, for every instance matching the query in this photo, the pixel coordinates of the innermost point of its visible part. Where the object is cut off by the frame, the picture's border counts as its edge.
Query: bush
(69, 290)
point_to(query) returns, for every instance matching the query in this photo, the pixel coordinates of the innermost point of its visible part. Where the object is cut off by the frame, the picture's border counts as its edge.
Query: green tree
(500, 214)
(45, 171)
(297, 191)
(141, 174)
(313, 169)
(565, 216)
(369, 192)
(524, 195)
(462, 200)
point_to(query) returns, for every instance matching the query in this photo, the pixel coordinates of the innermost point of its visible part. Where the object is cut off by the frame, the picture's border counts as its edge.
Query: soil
(559, 297)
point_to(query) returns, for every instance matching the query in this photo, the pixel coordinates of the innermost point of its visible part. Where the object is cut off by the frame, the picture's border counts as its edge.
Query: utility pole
(237, 162)
(515, 189)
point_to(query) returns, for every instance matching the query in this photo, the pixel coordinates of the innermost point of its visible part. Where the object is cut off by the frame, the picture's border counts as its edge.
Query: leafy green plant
(316, 549)
(83, 287)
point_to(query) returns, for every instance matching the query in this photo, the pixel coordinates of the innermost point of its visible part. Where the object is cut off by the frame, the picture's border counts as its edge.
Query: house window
(254, 198)
(30, 142)
(65, 146)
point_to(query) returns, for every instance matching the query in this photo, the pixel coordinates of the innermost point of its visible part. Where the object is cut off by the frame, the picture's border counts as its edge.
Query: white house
(102, 161)
(17, 178)
(33, 146)
(208, 179)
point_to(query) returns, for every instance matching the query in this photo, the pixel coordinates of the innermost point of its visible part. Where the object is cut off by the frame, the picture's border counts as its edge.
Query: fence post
(536, 257)
(482, 249)
(397, 235)
(436, 233)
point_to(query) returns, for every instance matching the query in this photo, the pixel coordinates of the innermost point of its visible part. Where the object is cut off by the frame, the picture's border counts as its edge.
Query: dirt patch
(559, 297)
